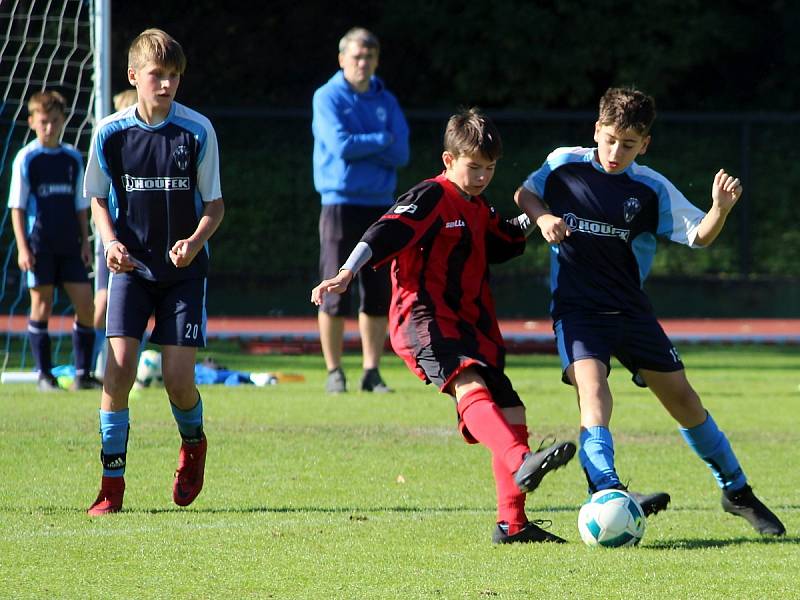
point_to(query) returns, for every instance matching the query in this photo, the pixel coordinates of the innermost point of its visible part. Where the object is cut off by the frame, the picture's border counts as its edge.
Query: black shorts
(179, 308)
(340, 229)
(52, 269)
(638, 342)
(441, 362)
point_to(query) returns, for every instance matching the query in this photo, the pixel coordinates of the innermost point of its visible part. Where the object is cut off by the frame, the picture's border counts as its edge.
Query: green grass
(360, 496)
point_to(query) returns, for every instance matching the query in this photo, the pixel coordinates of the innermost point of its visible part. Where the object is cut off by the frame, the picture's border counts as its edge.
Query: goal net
(45, 44)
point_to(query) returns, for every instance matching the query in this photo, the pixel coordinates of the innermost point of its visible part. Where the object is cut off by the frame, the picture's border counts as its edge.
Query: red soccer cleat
(189, 475)
(109, 500)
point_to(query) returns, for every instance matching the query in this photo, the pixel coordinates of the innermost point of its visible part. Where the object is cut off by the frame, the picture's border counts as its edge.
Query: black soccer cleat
(87, 382)
(651, 503)
(535, 465)
(531, 533)
(743, 503)
(336, 382)
(371, 381)
(48, 383)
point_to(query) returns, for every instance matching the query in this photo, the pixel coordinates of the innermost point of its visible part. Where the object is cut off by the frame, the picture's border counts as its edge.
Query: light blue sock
(710, 444)
(597, 458)
(114, 427)
(190, 422)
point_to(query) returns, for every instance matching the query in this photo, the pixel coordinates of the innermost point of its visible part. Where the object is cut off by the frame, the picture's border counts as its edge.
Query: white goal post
(55, 44)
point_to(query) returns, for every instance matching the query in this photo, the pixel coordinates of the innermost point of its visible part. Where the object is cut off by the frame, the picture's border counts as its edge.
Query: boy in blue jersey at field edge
(601, 211)
(153, 175)
(49, 215)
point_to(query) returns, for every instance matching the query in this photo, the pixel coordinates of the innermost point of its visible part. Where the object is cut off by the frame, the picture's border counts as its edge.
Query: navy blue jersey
(159, 177)
(613, 220)
(46, 184)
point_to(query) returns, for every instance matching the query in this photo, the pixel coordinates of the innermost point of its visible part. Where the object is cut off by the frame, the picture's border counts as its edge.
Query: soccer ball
(149, 369)
(611, 518)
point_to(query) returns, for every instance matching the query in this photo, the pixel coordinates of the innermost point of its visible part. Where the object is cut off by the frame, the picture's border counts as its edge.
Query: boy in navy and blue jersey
(49, 214)
(153, 175)
(602, 212)
(440, 238)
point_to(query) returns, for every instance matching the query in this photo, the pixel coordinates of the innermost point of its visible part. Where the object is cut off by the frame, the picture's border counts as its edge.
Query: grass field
(361, 496)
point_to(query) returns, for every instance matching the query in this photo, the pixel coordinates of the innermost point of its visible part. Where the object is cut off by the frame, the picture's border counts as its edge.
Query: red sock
(510, 501)
(486, 423)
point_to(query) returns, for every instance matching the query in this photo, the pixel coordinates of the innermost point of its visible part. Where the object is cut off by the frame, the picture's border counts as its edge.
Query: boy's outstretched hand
(725, 191)
(335, 285)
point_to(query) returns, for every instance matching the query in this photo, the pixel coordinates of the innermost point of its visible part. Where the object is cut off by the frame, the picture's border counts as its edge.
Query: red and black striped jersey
(441, 244)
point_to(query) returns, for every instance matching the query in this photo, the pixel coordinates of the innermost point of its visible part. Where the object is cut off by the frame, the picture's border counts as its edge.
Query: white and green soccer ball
(148, 371)
(611, 518)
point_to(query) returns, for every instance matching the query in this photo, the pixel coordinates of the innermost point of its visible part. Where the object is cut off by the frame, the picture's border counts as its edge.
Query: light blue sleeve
(535, 182)
(18, 193)
(678, 219)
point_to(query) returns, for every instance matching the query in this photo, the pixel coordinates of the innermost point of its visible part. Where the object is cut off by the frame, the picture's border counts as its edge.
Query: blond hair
(47, 101)
(159, 47)
(125, 98)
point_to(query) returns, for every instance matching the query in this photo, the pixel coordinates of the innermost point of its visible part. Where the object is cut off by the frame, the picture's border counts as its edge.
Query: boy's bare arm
(25, 258)
(725, 192)
(183, 252)
(554, 229)
(117, 259)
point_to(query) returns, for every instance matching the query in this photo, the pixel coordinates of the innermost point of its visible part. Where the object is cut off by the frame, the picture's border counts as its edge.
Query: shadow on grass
(700, 544)
(353, 510)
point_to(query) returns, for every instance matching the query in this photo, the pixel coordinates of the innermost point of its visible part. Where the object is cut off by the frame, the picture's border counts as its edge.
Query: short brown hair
(159, 47)
(361, 36)
(125, 98)
(627, 108)
(470, 132)
(47, 101)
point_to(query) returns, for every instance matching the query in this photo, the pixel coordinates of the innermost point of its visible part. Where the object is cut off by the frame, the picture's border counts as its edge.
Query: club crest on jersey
(181, 157)
(406, 208)
(631, 208)
(577, 224)
(380, 112)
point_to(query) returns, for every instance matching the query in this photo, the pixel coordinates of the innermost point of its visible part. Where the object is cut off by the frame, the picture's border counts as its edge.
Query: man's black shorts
(340, 229)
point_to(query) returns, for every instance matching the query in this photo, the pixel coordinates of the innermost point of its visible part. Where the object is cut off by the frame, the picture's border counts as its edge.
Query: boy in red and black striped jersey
(440, 237)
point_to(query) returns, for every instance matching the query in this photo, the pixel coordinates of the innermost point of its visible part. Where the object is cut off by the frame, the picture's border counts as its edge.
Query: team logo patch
(181, 157)
(577, 224)
(380, 112)
(631, 208)
(406, 208)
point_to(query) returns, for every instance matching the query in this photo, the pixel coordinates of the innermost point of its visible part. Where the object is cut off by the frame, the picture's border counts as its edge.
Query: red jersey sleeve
(414, 217)
(505, 238)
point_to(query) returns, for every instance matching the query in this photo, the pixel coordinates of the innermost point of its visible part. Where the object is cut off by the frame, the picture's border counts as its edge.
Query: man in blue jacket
(360, 139)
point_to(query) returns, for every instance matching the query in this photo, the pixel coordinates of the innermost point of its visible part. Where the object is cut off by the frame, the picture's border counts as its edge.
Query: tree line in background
(732, 55)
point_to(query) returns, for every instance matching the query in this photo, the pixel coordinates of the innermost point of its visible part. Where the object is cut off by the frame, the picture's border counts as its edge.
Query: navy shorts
(638, 342)
(52, 269)
(179, 308)
(100, 267)
(340, 229)
(441, 362)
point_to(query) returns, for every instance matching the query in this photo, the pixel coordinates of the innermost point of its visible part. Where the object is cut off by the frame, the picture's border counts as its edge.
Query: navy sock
(114, 429)
(190, 422)
(710, 444)
(82, 344)
(597, 458)
(40, 345)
